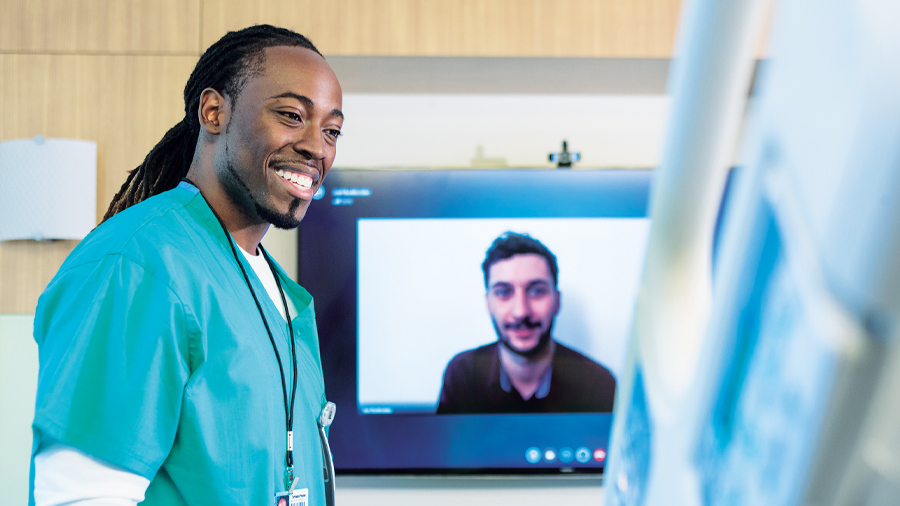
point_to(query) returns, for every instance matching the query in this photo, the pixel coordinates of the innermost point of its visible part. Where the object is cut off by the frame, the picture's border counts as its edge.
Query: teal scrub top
(154, 357)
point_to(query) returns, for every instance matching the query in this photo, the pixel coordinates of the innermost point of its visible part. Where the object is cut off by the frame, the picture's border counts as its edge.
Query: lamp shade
(48, 188)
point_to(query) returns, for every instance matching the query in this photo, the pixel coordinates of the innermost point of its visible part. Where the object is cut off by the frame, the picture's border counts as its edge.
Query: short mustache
(525, 323)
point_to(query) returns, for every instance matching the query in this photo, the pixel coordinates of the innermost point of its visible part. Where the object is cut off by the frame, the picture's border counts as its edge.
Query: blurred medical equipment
(774, 378)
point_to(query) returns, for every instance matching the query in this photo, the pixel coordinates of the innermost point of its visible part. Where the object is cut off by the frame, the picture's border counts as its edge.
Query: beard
(239, 194)
(532, 352)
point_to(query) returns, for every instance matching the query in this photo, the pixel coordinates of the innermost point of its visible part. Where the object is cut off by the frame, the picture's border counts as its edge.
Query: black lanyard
(288, 411)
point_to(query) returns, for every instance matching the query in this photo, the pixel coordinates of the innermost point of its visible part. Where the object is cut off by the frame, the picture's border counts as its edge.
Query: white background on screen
(422, 295)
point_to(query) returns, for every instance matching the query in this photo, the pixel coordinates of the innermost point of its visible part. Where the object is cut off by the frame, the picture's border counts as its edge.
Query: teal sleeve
(114, 359)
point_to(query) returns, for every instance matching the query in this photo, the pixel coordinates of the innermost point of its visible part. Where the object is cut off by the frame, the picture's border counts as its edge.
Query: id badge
(288, 498)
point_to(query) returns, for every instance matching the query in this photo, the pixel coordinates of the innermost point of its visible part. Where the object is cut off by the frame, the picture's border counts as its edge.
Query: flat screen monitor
(393, 259)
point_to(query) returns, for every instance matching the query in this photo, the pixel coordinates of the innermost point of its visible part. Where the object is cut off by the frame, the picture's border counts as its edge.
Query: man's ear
(212, 111)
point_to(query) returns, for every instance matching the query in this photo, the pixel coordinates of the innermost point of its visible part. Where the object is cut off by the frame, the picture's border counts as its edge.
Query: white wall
(446, 130)
(18, 383)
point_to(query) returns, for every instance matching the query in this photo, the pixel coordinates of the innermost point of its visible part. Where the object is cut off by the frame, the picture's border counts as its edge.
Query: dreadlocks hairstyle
(226, 66)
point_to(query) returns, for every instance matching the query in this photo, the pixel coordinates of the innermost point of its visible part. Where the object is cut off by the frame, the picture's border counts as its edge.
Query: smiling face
(280, 137)
(522, 302)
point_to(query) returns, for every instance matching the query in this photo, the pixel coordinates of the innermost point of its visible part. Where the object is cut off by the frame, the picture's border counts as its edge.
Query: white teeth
(301, 181)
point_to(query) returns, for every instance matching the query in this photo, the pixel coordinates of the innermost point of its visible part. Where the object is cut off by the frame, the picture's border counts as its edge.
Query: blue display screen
(394, 262)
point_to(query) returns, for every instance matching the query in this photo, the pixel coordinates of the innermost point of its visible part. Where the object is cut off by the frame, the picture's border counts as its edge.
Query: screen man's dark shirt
(577, 385)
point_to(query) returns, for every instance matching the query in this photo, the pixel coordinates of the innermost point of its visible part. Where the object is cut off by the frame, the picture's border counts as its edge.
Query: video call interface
(394, 262)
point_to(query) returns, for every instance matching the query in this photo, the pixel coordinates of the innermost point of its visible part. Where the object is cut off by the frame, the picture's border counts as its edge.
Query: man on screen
(526, 370)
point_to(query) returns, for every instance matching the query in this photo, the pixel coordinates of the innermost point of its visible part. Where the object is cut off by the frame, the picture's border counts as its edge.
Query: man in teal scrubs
(166, 355)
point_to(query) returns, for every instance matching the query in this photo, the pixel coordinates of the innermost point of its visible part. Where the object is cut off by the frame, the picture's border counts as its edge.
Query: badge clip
(289, 479)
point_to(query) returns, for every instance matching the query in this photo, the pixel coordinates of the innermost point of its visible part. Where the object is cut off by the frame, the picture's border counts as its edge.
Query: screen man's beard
(532, 352)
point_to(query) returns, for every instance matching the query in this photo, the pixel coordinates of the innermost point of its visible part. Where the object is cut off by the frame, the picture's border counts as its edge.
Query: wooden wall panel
(25, 269)
(124, 103)
(527, 28)
(100, 26)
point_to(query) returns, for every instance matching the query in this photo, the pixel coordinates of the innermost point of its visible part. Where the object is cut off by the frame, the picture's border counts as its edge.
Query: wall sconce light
(48, 188)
